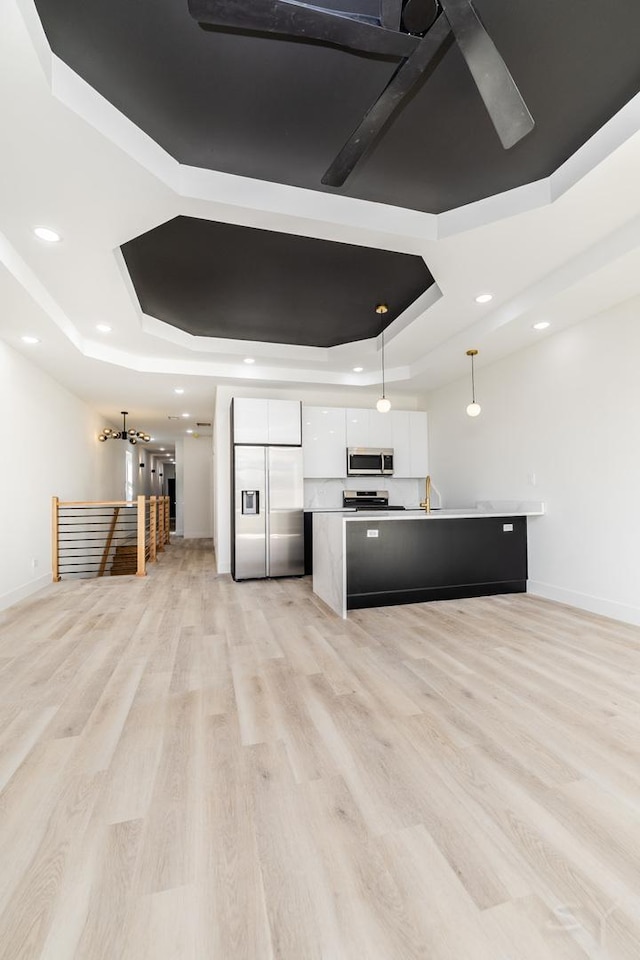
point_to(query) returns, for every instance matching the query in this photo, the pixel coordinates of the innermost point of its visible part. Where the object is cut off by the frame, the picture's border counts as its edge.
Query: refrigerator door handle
(267, 515)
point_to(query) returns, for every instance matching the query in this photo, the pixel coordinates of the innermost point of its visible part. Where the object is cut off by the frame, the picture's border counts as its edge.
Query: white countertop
(461, 513)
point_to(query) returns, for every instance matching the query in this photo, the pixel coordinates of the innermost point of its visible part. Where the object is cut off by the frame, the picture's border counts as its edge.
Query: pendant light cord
(473, 382)
(383, 363)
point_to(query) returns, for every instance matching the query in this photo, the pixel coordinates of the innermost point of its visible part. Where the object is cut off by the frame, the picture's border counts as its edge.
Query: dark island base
(424, 594)
(413, 561)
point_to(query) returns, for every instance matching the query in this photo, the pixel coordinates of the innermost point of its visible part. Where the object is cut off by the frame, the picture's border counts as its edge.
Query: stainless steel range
(368, 500)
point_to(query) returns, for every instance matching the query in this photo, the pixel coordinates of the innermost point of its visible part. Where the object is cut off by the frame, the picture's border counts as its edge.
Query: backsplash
(328, 493)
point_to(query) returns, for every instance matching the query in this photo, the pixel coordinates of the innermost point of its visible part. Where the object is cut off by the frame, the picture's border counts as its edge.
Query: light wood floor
(196, 769)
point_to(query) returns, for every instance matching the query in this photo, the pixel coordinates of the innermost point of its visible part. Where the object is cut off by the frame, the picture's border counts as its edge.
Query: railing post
(142, 568)
(55, 517)
(167, 521)
(161, 525)
(153, 533)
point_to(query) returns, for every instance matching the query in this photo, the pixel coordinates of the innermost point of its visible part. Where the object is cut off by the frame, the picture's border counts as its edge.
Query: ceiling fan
(416, 31)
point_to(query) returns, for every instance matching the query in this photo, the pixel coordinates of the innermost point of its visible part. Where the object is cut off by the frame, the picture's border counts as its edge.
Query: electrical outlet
(34, 563)
(532, 479)
(372, 533)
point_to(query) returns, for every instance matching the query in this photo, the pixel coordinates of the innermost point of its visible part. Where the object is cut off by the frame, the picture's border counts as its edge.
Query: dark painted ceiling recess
(222, 280)
(280, 109)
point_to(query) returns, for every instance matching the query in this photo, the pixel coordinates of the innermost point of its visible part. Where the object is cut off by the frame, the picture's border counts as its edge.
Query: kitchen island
(375, 559)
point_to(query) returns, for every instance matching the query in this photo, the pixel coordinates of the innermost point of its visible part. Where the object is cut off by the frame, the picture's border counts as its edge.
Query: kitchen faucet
(426, 503)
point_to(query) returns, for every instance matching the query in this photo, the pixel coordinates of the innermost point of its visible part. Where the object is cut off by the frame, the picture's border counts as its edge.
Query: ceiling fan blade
(406, 77)
(504, 103)
(303, 21)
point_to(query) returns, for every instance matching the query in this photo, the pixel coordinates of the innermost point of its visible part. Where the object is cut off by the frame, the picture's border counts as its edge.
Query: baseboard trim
(21, 593)
(386, 598)
(584, 601)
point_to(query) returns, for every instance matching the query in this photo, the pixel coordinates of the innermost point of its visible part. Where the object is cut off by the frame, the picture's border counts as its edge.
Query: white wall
(222, 442)
(179, 468)
(196, 463)
(48, 439)
(560, 422)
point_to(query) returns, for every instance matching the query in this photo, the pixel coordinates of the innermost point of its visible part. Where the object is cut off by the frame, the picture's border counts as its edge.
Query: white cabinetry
(285, 421)
(324, 445)
(401, 442)
(410, 443)
(368, 428)
(328, 431)
(266, 421)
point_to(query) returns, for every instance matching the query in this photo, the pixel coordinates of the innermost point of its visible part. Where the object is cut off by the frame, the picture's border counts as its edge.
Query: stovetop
(368, 500)
(377, 506)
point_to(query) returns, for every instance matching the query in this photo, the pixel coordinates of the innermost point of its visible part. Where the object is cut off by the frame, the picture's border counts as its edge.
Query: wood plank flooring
(192, 769)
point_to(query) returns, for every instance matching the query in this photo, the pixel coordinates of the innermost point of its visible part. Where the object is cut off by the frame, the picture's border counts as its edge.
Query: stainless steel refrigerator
(267, 520)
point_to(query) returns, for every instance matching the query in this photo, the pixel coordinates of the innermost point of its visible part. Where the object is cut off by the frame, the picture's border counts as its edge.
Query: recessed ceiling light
(162, 449)
(542, 325)
(249, 360)
(45, 233)
(29, 339)
(484, 297)
(189, 431)
(179, 390)
(358, 369)
(103, 327)
(186, 414)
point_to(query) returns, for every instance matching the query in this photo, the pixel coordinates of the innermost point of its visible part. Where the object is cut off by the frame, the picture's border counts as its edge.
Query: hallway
(193, 769)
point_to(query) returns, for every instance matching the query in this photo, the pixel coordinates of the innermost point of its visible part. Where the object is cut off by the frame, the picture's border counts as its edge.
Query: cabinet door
(250, 420)
(419, 437)
(380, 429)
(358, 427)
(401, 442)
(324, 444)
(284, 422)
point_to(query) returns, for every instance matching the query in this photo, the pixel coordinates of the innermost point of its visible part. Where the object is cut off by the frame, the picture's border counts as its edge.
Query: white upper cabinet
(324, 444)
(250, 420)
(285, 422)
(368, 428)
(410, 443)
(266, 421)
(401, 442)
(419, 443)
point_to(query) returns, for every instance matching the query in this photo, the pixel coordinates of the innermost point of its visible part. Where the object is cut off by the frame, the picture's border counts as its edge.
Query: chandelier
(131, 435)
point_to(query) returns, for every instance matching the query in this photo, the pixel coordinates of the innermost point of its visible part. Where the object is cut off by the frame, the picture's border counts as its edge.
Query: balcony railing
(97, 538)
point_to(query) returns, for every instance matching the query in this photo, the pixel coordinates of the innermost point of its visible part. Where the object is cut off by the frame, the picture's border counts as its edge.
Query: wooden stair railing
(98, 537)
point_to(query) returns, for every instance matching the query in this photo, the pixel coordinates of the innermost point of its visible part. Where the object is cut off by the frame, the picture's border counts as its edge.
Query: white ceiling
(560, 250)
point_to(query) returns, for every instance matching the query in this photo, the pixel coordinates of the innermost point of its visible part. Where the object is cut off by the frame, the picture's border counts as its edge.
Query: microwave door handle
(382, 463)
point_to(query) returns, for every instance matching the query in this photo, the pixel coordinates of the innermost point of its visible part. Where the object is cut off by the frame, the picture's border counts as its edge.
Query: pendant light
(474, 408)
(382, 405)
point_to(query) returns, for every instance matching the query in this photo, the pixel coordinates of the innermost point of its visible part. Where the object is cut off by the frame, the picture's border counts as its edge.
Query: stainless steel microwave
(369, 462)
